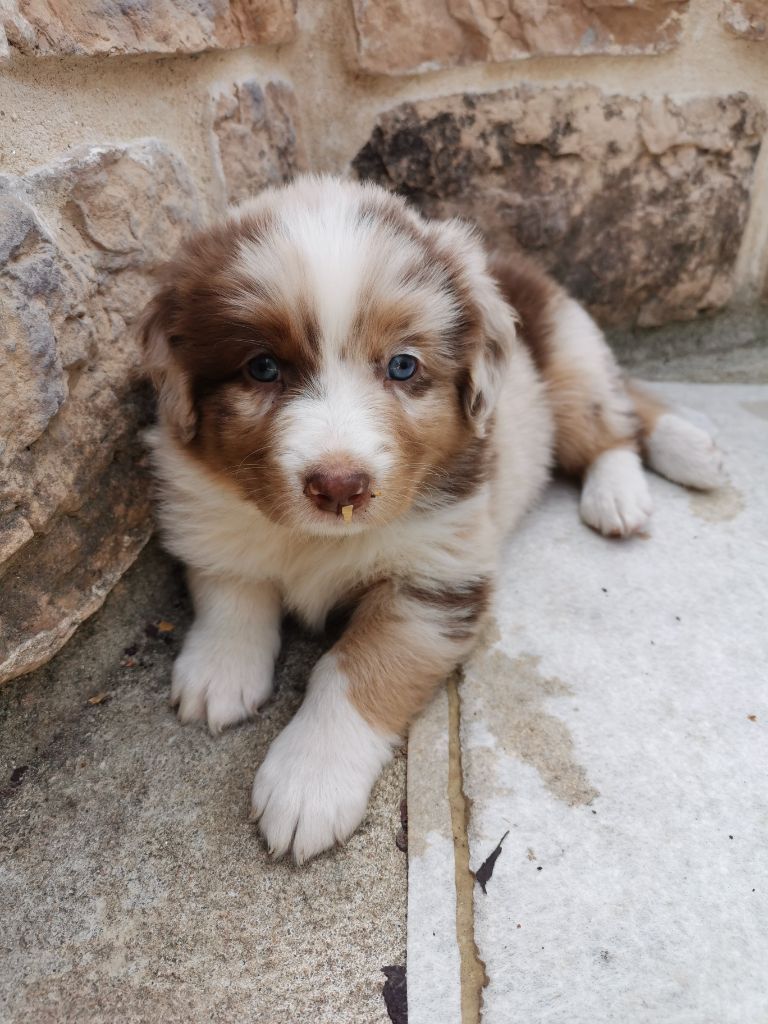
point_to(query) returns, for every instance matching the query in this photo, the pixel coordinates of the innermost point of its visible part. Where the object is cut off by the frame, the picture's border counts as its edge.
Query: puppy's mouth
(343, 497)
(345, 516)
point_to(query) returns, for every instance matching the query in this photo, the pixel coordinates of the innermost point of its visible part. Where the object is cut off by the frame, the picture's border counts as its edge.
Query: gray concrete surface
(731, 348)
(132, 886)
(613, 726)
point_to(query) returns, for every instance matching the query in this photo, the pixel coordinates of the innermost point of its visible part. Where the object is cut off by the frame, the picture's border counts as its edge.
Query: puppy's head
(330, 354)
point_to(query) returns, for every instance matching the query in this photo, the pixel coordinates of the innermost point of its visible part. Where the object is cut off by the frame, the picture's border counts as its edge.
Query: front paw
(615, 499)
(312, 789)
(219, 682)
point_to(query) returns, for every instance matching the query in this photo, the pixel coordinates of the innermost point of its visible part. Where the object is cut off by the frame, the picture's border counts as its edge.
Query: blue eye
(264, 369)
(402, 367)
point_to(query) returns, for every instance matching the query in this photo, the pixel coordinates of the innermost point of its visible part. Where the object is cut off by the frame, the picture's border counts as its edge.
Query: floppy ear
(174, 399)
(497, 319)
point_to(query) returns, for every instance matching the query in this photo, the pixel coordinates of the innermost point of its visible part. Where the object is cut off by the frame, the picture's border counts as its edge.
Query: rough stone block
(637, 205)
(747, 19)
(257, 137)
(78, 239)
(407, 36)
(45, 27)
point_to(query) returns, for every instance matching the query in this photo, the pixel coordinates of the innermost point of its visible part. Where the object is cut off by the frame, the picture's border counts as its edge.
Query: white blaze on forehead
(316, 254)
(332, 257)
(334, 251)
(344, 415)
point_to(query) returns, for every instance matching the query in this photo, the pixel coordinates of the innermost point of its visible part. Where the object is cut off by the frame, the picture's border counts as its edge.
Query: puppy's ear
(496, 336)
(174, 398)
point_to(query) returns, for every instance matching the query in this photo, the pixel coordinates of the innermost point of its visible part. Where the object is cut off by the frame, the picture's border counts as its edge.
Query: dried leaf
(98, 698)
(165, 627)
(484, 872)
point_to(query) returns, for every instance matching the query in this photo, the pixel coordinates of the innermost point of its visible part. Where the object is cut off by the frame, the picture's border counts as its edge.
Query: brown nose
(331, 491)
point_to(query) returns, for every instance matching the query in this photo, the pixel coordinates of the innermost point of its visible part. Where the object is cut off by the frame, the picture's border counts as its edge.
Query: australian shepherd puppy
(356, 406)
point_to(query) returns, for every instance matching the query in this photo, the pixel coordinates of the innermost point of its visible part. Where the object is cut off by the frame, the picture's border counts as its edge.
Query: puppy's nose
(333, 490)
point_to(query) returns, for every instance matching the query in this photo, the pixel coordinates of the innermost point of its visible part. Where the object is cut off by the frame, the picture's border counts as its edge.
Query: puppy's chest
(316, 579)
(314, 583)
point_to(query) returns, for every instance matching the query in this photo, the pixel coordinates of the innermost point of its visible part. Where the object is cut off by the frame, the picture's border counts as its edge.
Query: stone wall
(619, 141)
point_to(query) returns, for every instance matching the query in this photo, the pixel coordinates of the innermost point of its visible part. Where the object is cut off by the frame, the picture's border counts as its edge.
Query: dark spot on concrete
(517, 692)
(17, 775)
(395, 992)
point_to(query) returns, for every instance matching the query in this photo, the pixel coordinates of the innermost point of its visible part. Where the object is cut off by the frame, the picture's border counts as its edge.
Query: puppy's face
(331, 355)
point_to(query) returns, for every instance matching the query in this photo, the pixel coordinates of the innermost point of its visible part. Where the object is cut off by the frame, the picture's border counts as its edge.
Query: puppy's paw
(219, 683)
(685, 454)
(615, 499)
(312, 789)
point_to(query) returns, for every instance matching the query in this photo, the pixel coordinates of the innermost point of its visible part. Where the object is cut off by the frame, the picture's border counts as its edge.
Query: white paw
(685, 454)
(615, 499)
(219, 682)
(312, 789)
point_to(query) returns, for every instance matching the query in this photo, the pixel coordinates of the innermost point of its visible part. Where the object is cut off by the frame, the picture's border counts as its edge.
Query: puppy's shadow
(301, 649)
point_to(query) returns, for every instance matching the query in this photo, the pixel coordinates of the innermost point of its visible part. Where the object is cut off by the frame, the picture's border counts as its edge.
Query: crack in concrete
(473, 976)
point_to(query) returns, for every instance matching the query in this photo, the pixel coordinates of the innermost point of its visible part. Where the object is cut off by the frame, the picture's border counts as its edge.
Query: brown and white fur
(330, 280)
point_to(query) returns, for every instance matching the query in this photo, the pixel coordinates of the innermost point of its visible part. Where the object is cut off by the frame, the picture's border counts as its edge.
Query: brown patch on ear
(169, 379)
(484, 334)
(483, 381)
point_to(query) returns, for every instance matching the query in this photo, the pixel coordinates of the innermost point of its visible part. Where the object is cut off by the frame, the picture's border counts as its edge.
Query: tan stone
(637, 205)
(78, 240)
(257, 138)
(406, 36)
(163, 26)
(747, 19)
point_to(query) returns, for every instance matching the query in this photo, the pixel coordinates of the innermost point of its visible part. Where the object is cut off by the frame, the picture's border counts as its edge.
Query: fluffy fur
(330, 281)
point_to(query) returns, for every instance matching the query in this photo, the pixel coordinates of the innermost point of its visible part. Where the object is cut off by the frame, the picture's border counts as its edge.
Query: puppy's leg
(675, 448)
(596, 424)
(224, 671)
(312, 789)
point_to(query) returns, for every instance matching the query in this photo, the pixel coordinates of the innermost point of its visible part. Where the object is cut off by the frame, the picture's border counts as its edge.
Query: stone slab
(636, 204)
(745, 19)
(398, 37)
(79, 238)
(433, 950)
(74, 28)
(256, 136)
(614, 723)
(134, 888)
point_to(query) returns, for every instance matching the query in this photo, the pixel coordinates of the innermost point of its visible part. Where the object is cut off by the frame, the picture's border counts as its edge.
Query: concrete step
(613, 727)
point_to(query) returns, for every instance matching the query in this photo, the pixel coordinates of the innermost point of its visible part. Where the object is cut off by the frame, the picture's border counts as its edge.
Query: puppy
(355, 408)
